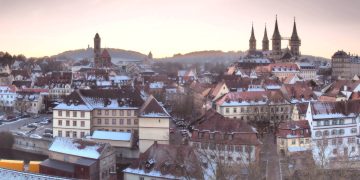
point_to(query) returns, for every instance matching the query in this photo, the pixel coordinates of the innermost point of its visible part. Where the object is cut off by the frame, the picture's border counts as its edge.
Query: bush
(7, 140)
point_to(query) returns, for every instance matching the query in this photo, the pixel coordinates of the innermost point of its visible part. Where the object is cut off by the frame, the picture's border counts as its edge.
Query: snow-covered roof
(156, 85)
(77, 147)
(109, 135)
(17, 175)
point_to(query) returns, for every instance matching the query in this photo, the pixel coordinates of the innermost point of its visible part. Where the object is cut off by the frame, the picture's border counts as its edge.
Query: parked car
(44, 122)
(32, 125)
(36, 116)
(48, 135)
(19, 133)
(35, 136)
(48, 130)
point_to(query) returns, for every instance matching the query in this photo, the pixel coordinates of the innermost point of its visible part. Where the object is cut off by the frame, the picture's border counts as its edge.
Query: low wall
(32, 145)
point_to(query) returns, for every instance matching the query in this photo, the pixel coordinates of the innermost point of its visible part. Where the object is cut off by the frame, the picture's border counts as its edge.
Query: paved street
(270, 157)
(21, 122)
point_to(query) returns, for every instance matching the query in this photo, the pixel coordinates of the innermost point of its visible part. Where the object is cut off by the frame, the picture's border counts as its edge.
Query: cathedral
(101, 59)
(276, 53)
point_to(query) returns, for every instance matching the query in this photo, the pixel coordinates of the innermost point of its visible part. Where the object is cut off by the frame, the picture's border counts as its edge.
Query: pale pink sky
(166, 27)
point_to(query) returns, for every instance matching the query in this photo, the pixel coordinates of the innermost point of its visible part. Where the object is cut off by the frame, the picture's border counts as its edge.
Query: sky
(38, 28)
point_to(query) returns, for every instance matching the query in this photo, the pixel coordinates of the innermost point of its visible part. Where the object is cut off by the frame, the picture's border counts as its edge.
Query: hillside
(205, 56)
(88, 53)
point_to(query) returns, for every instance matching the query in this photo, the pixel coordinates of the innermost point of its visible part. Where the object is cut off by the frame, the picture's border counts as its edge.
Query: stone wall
(32, 145)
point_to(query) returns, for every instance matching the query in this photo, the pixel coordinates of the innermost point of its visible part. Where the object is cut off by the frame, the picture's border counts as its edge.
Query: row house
(30, 101)
(307, 70)
(118, 110)
(293, 136)
(340, 90)
(225, 140)
(334, 127)
(257, 105)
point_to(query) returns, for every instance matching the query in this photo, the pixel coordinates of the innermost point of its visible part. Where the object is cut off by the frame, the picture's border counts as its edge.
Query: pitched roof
(167, 161)
(152, 108)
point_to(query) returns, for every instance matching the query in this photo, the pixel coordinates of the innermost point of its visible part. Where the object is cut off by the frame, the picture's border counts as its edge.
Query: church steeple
(295, 41)
(265, 41)
(276, 41)
(252, 41)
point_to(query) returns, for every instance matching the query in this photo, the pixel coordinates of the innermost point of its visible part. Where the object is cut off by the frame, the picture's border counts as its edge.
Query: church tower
(295, 41)
(252, 41)
(276, 41)
(265, 41)
(97, 48)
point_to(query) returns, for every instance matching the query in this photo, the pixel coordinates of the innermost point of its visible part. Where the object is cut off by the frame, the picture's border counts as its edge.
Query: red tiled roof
(294, 129)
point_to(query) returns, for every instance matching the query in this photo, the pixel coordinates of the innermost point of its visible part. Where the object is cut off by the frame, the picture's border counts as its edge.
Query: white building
(7, 97)
(334, 127)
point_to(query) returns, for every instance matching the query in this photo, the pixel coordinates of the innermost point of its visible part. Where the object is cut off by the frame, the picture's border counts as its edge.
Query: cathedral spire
(265, 41)
(252, 41)
(252, 37)
(294, 35)
(276, 34)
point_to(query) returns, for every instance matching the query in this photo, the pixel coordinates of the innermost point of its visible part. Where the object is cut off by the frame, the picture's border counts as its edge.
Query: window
(326, 123)
(98, 121)
(341, 131)
(98, 112)
(136, 121)
(212, 135)
(60, 133)
(200, 135)
(114, 112)
(128, 113)
(301, 141)
(334, 151)
(227, 110)
(230, 148)
(67, 113)
(74, 114)
(318, 123)
(74, 123)
(326, 142)
(293, 141)
(129, 131)
(128, 121)
(82, 114)
(326, 133)
(307, 141)
(353, 130)
(106, 112)
(341, 122)
(121, 112)
(59, 113)
(234, 110)
(121, 121)
(74, 134)
(113, 121)
(333, 132)
(106, 121)
(82, 134)
(351, 140)
(60, 122)
(318, 133)
(340, 140)
(333, 141)
(141, 178)
(67, 123)
(238, 148)
(354, 121)
(82, 123)
(67, 133)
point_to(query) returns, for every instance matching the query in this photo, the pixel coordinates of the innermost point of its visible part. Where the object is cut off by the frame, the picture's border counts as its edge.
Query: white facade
(7, 97)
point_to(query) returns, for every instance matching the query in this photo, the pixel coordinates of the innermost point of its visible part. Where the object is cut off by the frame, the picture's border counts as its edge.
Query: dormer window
(200, 135)
(212, 135)
(230, 136)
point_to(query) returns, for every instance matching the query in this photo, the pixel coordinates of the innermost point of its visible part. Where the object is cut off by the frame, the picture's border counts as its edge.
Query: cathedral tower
(276, 41)
(97, 46)
(265, 41)
(252, 41)
(295, 42)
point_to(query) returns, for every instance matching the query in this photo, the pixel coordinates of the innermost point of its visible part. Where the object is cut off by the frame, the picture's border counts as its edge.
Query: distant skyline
(38, 28)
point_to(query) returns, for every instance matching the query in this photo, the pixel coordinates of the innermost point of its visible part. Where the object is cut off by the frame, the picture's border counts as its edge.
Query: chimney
(345, 88)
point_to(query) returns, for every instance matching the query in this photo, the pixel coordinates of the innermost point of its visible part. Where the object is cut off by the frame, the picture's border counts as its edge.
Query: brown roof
(294, 129)
(169, 160)
(213, 122)
(335, 107)
(151, 107)
(298, 91)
